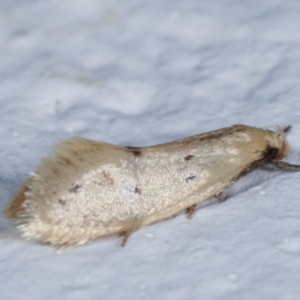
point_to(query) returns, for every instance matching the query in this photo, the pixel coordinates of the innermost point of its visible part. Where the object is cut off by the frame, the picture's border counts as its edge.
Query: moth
(88, 189)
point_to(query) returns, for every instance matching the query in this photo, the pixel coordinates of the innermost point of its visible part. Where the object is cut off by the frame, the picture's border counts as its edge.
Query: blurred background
(140, 72)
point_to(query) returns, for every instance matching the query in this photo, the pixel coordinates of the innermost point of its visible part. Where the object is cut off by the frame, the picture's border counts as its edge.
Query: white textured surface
(139, 73)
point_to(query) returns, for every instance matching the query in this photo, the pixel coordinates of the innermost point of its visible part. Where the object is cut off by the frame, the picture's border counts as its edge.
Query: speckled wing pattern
(88, 189)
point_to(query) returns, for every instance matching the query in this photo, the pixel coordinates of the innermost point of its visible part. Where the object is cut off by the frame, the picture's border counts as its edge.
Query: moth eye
(272, 153)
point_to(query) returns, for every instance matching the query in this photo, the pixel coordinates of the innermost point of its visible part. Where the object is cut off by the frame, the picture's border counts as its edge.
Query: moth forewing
(88, 189)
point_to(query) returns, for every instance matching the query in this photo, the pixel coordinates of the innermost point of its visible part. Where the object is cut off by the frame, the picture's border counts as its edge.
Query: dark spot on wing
(134, 150)
(108, 179)
(65, 161)
(105, 179)
(189, 157)
(190, 178)
(75, 188)
(137, 190)
(62, 201)
(56, 172)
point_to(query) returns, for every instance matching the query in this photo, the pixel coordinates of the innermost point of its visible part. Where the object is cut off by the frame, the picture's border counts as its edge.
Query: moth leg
(125, 235)
(284, 165)
(221, 197)
(130, 226)
(190, 211)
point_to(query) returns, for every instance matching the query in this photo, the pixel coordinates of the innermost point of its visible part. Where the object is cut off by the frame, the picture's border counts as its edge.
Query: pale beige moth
(88, 189)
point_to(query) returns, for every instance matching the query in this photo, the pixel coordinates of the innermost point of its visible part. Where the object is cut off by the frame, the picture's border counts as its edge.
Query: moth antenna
(287, 129)
(284, 165)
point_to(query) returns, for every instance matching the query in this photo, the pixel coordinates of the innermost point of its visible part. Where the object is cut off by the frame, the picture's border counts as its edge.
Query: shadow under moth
(88, 189)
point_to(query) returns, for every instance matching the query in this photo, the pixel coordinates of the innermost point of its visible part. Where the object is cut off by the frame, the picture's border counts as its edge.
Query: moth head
(278, 146)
